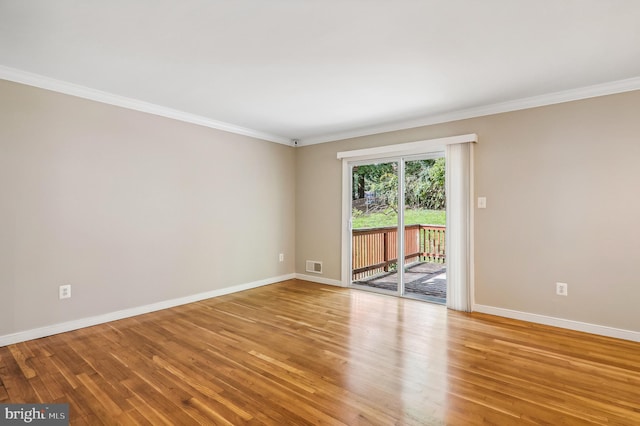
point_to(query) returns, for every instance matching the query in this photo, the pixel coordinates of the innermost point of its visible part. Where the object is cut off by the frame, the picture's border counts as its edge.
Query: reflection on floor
(423, 280)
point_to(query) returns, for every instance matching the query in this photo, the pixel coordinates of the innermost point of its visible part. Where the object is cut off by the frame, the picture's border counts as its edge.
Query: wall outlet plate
(64, 292)
(562, 289)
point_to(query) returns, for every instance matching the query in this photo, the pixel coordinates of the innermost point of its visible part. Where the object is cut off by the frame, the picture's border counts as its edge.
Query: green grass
(376, 220)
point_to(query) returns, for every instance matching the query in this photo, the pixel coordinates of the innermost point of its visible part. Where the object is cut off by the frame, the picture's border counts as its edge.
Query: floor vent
(314, 266)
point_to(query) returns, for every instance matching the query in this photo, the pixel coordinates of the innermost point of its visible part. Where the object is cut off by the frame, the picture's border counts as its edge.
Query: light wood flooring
(297, 353)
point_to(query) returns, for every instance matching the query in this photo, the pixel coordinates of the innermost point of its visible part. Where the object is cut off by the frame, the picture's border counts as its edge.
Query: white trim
(604, 89)
(472, 227)
(36, 80)
(601, 330)
(319, 280)
(401, 229)
(406, 149)
(36, 333)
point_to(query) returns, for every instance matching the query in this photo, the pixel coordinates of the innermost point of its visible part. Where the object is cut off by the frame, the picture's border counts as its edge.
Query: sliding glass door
(374, 223)
(424, 229)
(397, 227)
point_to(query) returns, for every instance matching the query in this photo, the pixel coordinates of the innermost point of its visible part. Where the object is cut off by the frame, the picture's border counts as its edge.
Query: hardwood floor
(298, 353)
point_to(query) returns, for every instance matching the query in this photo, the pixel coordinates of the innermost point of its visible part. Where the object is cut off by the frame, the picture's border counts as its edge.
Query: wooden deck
(424, 280)
(375, 250)
(297, 353)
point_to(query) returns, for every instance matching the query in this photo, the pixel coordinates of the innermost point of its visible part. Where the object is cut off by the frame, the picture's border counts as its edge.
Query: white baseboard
(50, 330)
(319, 280)
(601, 330)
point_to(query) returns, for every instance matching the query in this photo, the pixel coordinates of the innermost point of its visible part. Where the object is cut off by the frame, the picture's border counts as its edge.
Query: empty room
(285, 212)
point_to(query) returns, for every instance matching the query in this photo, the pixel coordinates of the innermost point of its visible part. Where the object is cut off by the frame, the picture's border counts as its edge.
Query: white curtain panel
(459, 186)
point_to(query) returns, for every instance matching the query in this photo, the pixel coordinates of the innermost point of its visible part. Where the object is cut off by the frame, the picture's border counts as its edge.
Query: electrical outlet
(281, 257)
(562, 289)
(65, 291)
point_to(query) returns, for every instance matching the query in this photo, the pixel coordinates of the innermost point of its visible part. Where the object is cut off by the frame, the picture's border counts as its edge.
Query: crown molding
(36, 80)
(42, 82)
(603, 89)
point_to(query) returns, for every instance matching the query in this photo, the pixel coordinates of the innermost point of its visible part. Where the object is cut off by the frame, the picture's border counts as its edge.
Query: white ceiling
(320, 70)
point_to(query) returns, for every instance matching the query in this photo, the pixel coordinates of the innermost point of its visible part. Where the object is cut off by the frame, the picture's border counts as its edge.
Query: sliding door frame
(390, 153)
(400, 223)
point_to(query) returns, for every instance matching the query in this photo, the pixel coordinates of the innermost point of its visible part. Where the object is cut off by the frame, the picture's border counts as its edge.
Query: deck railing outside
(375, 250)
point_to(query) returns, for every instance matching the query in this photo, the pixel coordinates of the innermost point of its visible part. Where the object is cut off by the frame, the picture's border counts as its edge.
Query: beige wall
(133, 209)
(562, 205)
(130, 208)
